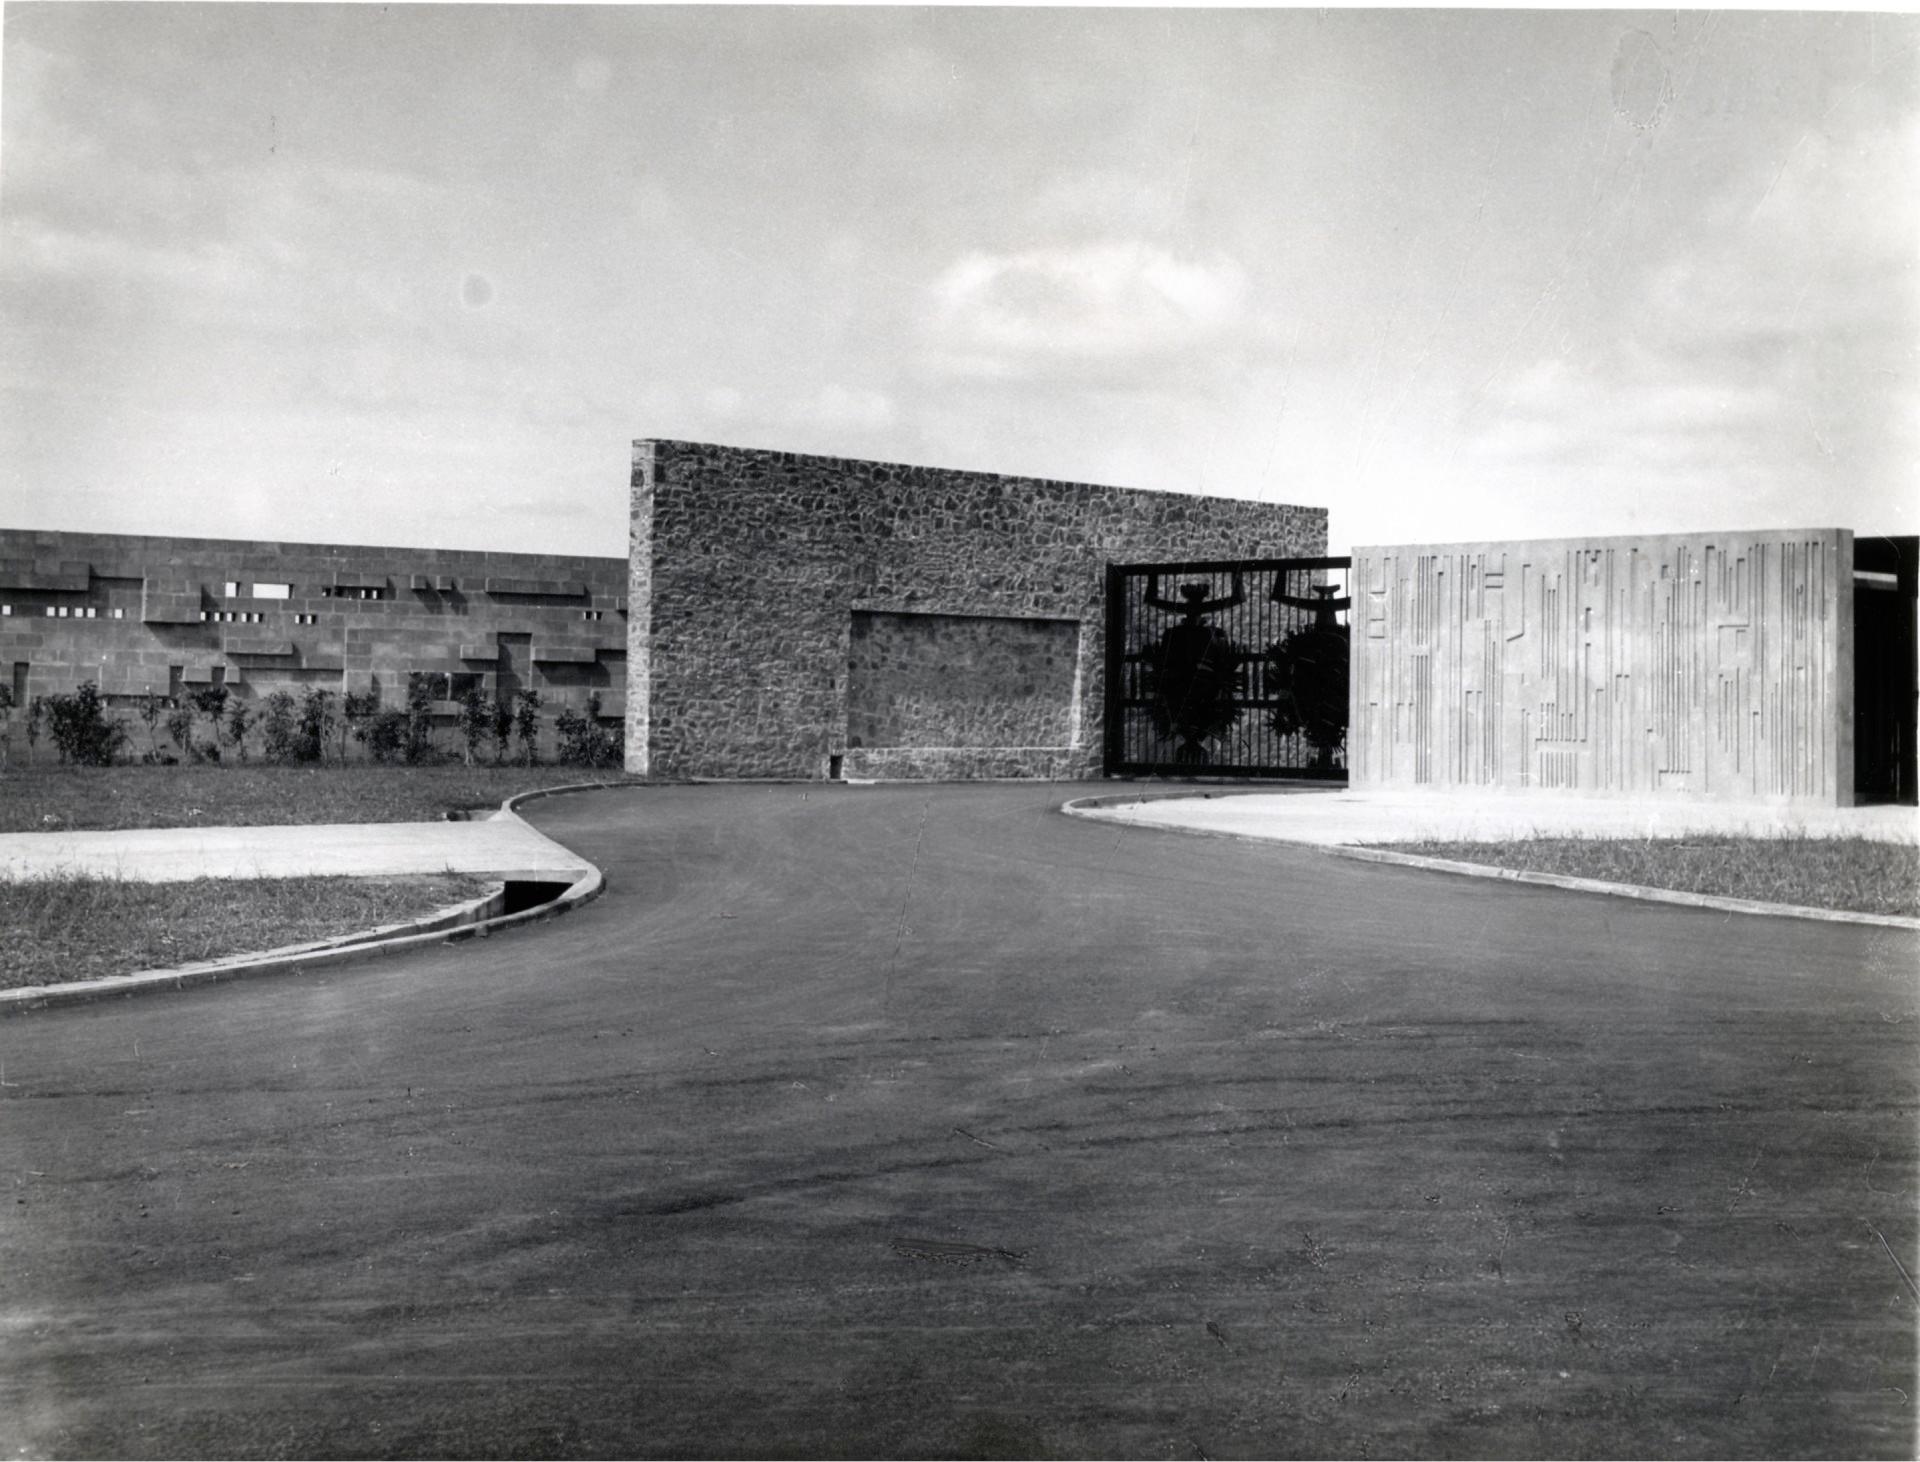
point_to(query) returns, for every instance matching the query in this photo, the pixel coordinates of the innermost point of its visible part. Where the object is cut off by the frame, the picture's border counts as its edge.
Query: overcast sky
(419, 274)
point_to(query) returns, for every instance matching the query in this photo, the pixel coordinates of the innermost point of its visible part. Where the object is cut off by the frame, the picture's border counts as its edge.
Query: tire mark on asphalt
(1915, 1290)
(698, 1202)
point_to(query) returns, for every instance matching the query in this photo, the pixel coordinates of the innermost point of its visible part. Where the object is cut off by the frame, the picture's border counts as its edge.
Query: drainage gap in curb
(525, 893)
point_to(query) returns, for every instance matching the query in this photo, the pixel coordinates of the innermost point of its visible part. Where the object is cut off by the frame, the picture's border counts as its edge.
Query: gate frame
(1113, 707)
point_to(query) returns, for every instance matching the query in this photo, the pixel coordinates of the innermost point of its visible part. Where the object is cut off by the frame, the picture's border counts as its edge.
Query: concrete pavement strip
(501, 847)
(1344, 823)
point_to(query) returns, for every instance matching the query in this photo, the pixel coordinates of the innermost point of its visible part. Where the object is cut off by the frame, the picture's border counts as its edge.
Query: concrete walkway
(501, 846)
(1344, 818)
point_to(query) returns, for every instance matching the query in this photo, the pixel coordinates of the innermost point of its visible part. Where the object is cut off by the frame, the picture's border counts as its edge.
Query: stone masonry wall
(748, 567)
(139, 615)
(1715, 664)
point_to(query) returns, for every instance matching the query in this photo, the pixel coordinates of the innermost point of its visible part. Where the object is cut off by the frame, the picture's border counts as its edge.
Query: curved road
(926, 1121)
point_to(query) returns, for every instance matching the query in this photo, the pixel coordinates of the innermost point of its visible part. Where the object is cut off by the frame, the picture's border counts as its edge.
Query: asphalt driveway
(926, 1121)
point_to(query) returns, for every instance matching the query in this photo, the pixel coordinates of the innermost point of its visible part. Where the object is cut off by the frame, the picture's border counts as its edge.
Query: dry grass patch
(1855, 874)
(59, 798)
(72, 928)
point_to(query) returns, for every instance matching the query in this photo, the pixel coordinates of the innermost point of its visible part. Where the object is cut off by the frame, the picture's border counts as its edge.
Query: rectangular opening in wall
(273, 591)
(1886, 624)
(960, 680)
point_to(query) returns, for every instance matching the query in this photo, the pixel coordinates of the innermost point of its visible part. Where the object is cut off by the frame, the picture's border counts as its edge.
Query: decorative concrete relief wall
(749, 568)
(1713, 664)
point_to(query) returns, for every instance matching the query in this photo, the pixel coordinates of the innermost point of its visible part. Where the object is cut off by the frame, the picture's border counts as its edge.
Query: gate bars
(1227, 668)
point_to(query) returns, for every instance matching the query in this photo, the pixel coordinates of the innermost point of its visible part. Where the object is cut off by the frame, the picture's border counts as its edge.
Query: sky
(419, 274)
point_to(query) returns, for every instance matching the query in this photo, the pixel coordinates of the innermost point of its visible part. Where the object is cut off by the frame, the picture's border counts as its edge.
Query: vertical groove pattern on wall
(1714, 664)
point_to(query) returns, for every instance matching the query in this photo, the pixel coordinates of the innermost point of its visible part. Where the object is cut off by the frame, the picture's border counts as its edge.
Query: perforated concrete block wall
(138, 614)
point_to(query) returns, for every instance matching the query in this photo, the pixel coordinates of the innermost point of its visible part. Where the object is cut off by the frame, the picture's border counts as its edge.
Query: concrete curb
(475, 919)
(1088, 807)
(1626, 890)
(513, 803)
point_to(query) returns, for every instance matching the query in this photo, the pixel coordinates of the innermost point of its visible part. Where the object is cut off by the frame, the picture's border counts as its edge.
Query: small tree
(476, 720)
(180, 726)
(152, 711)
(357, 710)
(526, 724)
(419, 742)
(80, 727)
(239, 722)
(502, 712)
(6, 723)
(317, 718)
(279, 726)
(210, 702)
(36, 721)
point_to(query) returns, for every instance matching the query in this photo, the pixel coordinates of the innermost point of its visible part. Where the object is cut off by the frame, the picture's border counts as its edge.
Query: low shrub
(384, 734)
(584, 742)
(82, 731)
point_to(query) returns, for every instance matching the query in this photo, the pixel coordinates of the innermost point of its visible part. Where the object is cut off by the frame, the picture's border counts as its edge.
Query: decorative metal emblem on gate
(1194, 672)
(1249, 682)
(1307, 673)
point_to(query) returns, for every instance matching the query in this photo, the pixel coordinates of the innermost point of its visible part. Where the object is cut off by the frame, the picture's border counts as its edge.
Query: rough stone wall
(752, 564)
(139, 615)
(1709, 664)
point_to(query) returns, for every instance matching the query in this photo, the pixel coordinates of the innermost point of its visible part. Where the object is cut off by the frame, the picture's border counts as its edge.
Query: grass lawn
(49, 797)
(62, 929)
(1856, 874)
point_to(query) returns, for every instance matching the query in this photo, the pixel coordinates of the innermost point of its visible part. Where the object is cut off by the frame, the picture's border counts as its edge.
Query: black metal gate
(1228, 669)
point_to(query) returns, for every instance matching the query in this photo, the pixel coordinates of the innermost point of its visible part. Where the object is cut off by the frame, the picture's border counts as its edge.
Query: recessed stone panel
(959, 680)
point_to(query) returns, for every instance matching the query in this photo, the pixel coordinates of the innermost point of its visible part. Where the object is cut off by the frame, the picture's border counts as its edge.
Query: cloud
(835, 407)
(40, 250)
(1771, 356)
(1104, 311)
(724, 403)
(1096, 203)
(913, 82)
